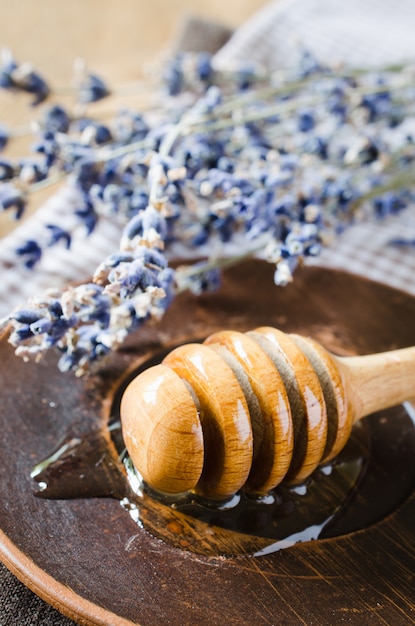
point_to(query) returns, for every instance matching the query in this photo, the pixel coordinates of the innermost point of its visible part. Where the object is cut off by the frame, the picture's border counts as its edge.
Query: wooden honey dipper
(252, 409)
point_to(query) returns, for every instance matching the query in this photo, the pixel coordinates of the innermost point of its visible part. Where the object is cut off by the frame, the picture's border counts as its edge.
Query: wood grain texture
(335, 396)
(273, 432)
(307, 402)
(101, 560)
(297, 402)
(224, 417)
(173, 443)
(379, 380)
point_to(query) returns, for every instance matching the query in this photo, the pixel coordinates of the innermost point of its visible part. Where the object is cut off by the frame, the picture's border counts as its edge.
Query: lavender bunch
(227, 165)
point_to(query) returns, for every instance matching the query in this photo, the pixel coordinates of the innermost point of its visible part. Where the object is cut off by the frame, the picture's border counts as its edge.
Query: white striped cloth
(366, 249)
(58, 266)
(357, 32)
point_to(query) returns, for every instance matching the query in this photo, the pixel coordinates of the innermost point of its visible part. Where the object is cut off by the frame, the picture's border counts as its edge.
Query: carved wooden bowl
(92, 561)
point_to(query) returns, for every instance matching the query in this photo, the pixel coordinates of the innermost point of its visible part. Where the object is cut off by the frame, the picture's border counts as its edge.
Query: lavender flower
(4, 137)
(48, 146)
(12, 198)
(230, 165)
(31, 252)
(306, 121)
(22, 77)
(92, 89)
(58, 234)
(7, 170)
(56, 120)
(198, 279)
(88, 215)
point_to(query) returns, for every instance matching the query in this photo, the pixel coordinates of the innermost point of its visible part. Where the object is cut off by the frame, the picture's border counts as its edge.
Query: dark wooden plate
(90, 560)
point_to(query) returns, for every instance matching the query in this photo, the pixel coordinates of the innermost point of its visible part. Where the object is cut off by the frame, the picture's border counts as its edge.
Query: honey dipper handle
(379, 381)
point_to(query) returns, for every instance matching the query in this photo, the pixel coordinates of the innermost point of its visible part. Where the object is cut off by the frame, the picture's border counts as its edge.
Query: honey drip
(371, 477)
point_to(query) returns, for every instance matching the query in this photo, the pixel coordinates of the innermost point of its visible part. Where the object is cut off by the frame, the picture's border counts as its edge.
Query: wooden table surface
(115, 37)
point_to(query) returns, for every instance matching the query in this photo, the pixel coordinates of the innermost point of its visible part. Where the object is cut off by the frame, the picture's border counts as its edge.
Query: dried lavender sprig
(197, 120)
(205, 203)
(88, 321)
